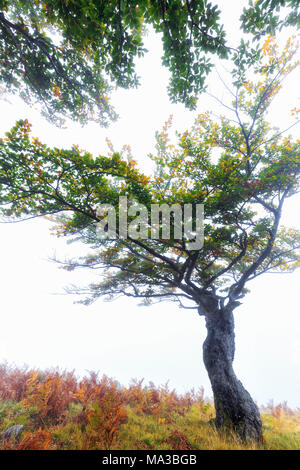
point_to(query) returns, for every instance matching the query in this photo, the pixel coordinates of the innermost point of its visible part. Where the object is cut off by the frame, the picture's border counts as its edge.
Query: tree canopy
(67, 54)
(241, 169)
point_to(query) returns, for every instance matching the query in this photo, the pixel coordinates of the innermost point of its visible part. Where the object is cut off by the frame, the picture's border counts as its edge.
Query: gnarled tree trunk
(234, 405)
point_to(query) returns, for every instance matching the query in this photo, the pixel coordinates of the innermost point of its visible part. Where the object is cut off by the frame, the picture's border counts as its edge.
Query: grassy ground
(60, 412)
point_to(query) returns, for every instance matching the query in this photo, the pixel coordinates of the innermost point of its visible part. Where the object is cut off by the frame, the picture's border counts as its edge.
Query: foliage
(50, 396)
(67, 54)
(116, 419)
(13, 382)
(268, 17)
(241, 169)
(102, 411)
(160, 401)
(179, 441)
(12, 411)
(105, 418)
(38, 440)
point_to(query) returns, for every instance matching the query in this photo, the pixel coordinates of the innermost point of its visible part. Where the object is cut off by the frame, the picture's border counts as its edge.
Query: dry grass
(59, 411)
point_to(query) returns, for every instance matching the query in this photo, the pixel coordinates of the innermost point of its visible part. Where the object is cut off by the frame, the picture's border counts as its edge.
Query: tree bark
(234, 406)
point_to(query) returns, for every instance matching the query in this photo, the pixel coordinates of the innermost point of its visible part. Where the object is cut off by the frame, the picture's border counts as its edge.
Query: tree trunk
(234, 405)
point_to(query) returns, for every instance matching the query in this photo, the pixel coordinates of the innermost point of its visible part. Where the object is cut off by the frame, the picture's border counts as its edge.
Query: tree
(67, 54)
(241, 169)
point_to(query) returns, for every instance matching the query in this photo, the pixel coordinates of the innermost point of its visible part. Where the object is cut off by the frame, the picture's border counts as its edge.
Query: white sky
(122, 339)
